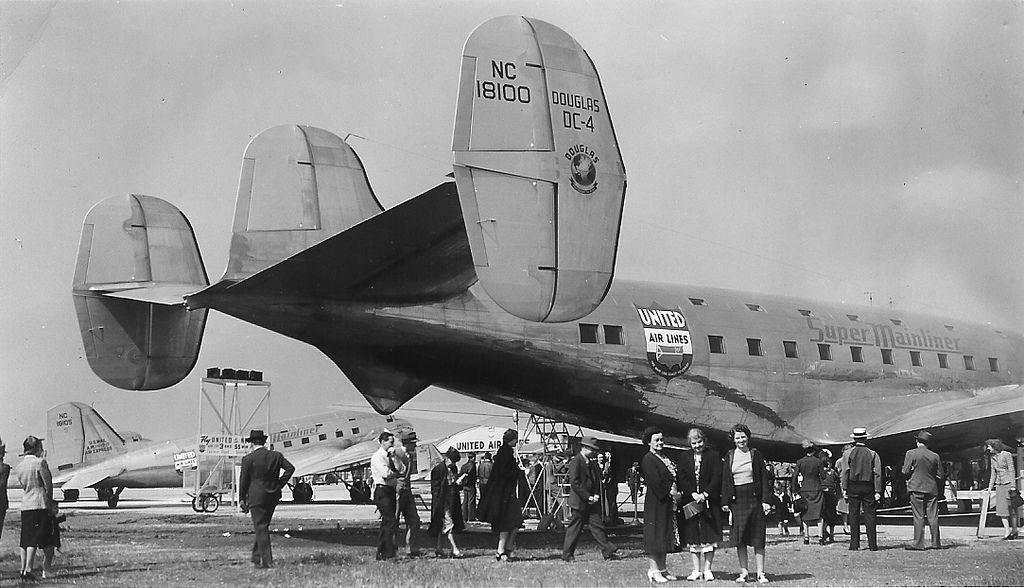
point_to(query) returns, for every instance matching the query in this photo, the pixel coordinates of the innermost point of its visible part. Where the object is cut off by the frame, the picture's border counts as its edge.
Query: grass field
(125, 548)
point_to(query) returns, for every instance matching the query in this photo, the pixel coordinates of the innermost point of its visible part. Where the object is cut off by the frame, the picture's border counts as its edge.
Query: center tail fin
(539, 172)
(77, 435)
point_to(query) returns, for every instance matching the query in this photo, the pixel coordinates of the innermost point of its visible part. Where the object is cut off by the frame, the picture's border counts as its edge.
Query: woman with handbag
(700, 486)
(38, 509)
(746, 493)
(502, 507)
(661, 530)
(1001, 480)
(807, 479)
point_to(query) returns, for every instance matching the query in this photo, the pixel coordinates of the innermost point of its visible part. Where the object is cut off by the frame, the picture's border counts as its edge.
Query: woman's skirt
(39, 529)
(1002, 500)
(813, 499)
(748, 520)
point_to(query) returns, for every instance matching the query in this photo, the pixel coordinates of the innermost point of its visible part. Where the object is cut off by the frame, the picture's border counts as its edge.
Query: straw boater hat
(859, 434)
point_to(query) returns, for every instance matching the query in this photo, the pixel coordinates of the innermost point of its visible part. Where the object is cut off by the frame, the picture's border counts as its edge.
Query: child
(782, 508)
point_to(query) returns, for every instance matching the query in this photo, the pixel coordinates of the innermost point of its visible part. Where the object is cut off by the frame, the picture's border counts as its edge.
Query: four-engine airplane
(84, 451)
(499, 286)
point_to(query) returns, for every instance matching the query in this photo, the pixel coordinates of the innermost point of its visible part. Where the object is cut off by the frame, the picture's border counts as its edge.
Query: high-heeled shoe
(742, 577)
(655, 577)
(695, 575)
(761, 578)
(668, 576)
(708, 576)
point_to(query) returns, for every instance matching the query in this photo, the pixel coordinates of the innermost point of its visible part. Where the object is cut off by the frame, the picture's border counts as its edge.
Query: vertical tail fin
(78, 435)
(540, 176)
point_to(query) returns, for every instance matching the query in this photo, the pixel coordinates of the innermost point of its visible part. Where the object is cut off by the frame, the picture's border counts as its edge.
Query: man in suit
(406, 501)
(862, 486)
(468, 479)
(924, 472)
(260, 487)
(584, 500)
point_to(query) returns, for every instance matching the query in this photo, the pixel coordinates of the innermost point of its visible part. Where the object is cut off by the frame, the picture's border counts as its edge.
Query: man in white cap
(584, 500)
(924, 472)
(862, 487)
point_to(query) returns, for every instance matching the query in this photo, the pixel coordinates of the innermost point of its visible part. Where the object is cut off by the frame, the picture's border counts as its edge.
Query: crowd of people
(688, 500)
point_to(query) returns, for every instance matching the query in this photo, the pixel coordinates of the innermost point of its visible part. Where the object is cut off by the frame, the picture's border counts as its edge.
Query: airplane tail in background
(539, 172)
(77, 435)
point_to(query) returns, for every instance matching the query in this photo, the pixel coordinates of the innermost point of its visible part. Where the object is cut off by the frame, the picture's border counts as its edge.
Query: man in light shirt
(385, 473)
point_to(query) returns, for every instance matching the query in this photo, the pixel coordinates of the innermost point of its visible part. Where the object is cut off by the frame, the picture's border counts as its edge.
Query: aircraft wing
(86, 477)
(322, 459)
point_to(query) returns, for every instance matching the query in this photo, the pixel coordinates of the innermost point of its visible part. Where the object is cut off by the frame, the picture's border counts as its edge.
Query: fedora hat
(859, 433)
(924, 437)
(453, 454)
(591, 442)
(257, 436)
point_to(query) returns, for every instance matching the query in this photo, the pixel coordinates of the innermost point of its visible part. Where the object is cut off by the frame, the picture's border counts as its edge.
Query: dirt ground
(172, 546)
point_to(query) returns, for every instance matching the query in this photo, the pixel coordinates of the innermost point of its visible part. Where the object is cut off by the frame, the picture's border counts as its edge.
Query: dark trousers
(925, 506)
(592, 515)
(261, 515)
(469, 503)
(862, 502)
(386, 499)
(407, 510)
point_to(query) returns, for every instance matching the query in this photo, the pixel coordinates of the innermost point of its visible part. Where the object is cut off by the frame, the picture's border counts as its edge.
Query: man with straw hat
(862, 487)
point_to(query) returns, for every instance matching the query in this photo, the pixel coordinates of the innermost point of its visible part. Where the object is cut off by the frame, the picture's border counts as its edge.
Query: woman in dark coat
(807, 478)
(700, 481)
(830, 491)
(746, 493)
(661, 531)
(502, 506)
(445, 510)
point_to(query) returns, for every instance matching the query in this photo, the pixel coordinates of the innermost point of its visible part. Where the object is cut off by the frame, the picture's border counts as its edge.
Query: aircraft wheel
(71, 495)
(302, 493)
(104, 493)
(358, 493)
(112, 501)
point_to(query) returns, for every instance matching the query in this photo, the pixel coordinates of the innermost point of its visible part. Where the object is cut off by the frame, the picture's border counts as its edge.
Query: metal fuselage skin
(469, 345)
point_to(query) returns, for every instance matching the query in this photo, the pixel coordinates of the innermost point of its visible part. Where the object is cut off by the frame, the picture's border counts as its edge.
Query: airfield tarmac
(154, 538)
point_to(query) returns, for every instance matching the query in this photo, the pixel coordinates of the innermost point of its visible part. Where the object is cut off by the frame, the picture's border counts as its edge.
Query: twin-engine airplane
(84, 451)
(499, 286)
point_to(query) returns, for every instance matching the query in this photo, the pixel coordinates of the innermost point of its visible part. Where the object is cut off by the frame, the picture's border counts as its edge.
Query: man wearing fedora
(260, 487)
(584, 500)
(923, 469)
(862, 487)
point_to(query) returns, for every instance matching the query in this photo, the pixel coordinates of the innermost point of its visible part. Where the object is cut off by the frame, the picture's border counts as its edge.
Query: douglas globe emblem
(669, 349)
(582, 168)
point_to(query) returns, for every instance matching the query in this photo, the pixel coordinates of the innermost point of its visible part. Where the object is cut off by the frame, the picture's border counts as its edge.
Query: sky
(859, 152)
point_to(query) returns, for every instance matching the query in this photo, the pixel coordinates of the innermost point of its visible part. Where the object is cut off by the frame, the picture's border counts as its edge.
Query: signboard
(185, 459)
(223, 445)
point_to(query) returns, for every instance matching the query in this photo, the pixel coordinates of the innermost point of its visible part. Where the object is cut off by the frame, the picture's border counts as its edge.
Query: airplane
(86, 452)
(499, 286)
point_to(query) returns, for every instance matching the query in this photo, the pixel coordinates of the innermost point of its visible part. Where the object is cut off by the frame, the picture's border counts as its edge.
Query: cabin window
(887, 356)
(698, 302)
(754, 347)
(613, 335)
(756, 307)
(948, 327)
(897, 322)
(825, 351)
(287, 443)
(339, 434)
(355, 430)
(588, 333)
(857, 354)
(790, 348)
(305, 440)
(853, 317)
(969, 363)
(716, 343)
(943, 361)
(322, 436)
(915, 358)
(993, 364)
(805, 312)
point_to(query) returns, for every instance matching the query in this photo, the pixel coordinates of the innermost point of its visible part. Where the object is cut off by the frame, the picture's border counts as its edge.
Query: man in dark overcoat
(584, 501)
(264, 474)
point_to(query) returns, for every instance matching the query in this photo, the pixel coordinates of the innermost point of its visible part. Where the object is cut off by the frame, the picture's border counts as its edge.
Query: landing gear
(110, 495)
(302, 492)
(359, 491)
(206, 503)
(71, 495)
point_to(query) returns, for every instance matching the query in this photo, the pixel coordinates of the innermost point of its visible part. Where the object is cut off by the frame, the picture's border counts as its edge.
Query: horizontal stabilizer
(298, 186)
(386, 387)
(414, 252)
(137, 258)
(541, 179)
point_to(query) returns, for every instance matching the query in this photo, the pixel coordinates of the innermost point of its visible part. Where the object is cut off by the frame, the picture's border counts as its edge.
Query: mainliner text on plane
(881, 336)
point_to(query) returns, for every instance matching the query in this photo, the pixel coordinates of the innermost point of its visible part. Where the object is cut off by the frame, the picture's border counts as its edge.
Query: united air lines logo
(582, 168)
(669, 350)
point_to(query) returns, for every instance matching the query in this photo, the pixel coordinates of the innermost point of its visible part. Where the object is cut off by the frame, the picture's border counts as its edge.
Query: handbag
(1015, 498)
(799, 505)
(692, 509)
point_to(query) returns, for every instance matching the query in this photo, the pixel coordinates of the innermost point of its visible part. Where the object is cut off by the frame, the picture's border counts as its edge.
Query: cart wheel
(197, 503)
(210, 503)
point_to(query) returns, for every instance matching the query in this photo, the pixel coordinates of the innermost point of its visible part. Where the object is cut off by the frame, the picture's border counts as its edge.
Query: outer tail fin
(540, 176)
(299, 185)
(137, 258)
(78, 435)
